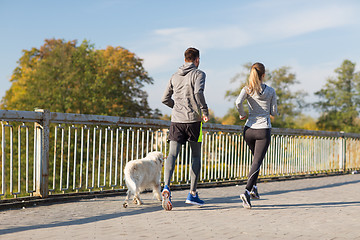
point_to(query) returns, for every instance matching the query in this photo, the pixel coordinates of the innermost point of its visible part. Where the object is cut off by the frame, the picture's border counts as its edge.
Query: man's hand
(205, 118)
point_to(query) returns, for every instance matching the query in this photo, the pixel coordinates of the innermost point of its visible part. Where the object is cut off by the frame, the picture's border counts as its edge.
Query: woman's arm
(273, 105)
(239, 103)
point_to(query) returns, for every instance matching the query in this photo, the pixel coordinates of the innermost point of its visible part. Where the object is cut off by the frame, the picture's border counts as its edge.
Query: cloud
(167, 43)
(220, 37)
(242, 35)
(153, 61)
(305, 21)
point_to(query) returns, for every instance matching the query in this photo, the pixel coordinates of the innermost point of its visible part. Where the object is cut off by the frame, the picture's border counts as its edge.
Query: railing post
(3, 160)
(42, 132)
(342, 152)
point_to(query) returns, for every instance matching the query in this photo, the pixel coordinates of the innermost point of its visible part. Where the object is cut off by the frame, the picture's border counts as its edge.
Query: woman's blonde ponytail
(255, 78)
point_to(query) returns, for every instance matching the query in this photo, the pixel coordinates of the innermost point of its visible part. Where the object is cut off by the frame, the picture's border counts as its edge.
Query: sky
(311, 37)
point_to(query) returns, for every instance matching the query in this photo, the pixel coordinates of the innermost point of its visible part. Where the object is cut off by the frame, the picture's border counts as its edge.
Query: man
(185, 95)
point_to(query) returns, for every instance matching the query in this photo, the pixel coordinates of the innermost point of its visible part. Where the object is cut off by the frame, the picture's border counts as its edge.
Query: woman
(257, 131)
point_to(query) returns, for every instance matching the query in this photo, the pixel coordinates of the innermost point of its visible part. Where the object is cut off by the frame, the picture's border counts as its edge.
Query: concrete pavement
(314, 208)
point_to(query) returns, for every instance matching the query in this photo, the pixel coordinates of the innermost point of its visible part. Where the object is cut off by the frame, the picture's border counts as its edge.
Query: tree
(339, 100)
(306, 122)
(289, 103)
(212, 117)
(65, 77)
(232, 118)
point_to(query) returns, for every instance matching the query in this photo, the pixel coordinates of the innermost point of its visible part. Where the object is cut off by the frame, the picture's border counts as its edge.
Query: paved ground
(316, 208)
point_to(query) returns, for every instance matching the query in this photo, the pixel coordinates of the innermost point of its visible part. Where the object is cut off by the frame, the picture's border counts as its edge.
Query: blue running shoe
(195, 200)
(166, 198)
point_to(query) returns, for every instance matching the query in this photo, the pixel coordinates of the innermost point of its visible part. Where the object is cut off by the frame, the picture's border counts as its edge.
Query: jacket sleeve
(166, 99)
(199, 88)
(239, 102)
(273, 105)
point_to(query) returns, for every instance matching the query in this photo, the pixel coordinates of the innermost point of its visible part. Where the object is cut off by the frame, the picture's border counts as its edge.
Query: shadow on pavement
(311, 188)
(211, 204)
(305, 205)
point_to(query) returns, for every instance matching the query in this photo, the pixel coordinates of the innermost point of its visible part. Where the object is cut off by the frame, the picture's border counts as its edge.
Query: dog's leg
(137, 199)
(125, 204)
(156, 191)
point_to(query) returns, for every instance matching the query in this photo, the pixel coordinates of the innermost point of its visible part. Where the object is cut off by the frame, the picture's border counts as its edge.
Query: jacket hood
(186, 68)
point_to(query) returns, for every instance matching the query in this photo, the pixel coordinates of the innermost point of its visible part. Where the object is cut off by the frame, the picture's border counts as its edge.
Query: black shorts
(182, 132)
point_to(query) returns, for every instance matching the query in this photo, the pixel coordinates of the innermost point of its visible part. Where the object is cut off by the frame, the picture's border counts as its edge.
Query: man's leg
(193, 197)
(196, 165)
(170, 161)
(168, 172)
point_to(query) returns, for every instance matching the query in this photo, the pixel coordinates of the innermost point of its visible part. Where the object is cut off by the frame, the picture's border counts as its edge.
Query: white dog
(143, 174)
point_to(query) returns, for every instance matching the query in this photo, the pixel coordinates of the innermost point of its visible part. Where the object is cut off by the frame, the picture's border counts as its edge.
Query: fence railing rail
(46, 152)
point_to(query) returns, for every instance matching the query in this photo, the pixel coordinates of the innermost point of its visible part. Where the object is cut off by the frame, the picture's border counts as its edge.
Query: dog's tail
(130, 183)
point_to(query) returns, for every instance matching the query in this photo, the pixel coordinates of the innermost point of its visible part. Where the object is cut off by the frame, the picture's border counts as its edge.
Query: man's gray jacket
(185, 94)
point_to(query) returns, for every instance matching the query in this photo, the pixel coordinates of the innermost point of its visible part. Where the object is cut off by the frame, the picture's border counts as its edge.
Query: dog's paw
(125, 204)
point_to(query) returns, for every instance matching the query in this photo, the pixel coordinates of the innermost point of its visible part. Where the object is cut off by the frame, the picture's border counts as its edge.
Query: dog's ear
(161, 158)
(156, 156)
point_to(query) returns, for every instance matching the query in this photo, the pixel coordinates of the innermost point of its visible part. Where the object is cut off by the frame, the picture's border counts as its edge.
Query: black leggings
(169, 166)
(258, 141)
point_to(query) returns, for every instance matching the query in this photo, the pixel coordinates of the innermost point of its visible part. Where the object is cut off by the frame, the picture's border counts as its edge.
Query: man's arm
(166, 99)
(199, 94)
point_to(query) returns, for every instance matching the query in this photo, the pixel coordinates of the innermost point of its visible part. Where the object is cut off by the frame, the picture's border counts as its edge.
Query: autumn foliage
(65, 77)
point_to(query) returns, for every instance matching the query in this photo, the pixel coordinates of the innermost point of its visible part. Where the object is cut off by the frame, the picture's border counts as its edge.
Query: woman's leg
(259, 140)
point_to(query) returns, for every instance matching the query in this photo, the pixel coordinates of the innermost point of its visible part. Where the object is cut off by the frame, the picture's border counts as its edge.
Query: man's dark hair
(191, 54)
